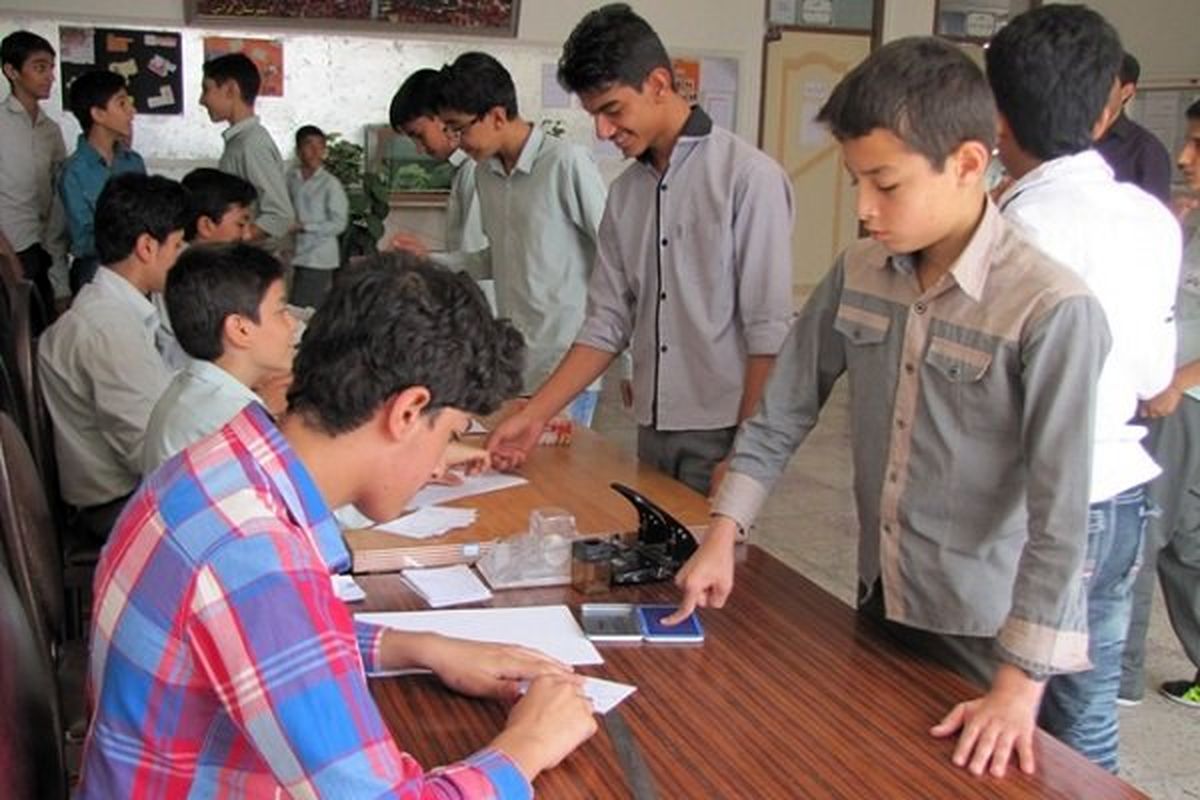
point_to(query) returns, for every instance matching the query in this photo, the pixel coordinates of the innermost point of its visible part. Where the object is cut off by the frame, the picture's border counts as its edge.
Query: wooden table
(792, 695)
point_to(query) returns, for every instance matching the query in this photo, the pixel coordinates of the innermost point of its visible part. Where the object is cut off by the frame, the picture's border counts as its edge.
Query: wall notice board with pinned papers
(150, 62)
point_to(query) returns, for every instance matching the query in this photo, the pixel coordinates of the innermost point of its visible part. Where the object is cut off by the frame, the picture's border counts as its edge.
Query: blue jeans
(1081, 709)
(583, 407)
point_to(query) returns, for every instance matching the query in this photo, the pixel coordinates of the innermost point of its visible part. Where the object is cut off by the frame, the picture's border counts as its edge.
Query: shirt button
(662, 296)
(919, 307)
(663, 349)
(893, 477)
(900, 424)
(664, 242)
(662, 188)
(909, 368)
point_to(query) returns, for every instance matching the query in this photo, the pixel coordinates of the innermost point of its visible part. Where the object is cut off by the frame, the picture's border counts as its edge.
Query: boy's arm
(1046, 630)
(337, 211)
(585, 193)
(80, 213)
(264, 168)
(127, 379)
(310, 716)
(810, 361)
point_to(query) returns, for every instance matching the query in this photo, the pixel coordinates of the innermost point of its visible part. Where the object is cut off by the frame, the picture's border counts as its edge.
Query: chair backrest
(31, 540)
(31, 754)
(38, 430)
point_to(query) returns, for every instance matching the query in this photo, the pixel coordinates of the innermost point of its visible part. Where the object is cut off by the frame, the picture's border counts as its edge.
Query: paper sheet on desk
(346, 589)
(605, 695)
(472, 485)
(550, 629)
(424, 523)
(447, 586)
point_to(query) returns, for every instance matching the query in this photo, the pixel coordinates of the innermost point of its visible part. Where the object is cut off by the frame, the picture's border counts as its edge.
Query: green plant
(553, 126)
(367, 193)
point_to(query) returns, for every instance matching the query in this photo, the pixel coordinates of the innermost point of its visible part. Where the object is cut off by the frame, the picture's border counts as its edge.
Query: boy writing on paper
(214, 596)
(972, 360)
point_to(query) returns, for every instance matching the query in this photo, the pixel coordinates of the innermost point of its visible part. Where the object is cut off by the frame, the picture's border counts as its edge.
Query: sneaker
(1185, 693)
(1128, 702)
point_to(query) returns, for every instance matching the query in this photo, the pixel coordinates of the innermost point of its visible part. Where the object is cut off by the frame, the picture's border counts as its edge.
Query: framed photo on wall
(458, 17)
(976, 20)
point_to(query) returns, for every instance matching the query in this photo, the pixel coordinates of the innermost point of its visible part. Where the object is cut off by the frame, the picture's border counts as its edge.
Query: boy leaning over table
(222, 664)
(973, 360)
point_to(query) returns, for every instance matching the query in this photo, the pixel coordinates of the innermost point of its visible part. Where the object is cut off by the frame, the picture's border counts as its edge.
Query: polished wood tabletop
(792, 695)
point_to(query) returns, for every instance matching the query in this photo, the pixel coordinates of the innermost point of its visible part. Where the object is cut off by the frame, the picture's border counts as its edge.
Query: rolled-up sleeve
(762, 239)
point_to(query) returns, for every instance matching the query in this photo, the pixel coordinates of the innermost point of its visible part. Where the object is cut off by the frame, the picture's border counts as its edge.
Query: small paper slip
(447, 586)
(472, 485)
(605, 695)
(549, 629)
(476, 427)
(346, 589)
(430, 521)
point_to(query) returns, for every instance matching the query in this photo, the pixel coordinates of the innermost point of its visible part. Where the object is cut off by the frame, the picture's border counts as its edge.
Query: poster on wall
(267, 55)
(150, 61)
(459, 17)
(710, 83)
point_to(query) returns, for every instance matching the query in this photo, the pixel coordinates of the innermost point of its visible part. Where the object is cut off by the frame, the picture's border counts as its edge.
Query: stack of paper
(424, 523)
(447, 586)
(346, 589)
(434, 493)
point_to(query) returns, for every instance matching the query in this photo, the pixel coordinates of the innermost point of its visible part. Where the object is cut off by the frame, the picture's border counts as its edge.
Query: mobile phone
(653, 629)
(610, 622)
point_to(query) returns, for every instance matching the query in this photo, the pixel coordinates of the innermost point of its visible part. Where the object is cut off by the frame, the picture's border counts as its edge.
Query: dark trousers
(36, 264)
(309, 286)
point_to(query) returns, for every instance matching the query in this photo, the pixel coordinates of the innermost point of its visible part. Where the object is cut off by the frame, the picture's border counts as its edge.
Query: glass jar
(591, 566)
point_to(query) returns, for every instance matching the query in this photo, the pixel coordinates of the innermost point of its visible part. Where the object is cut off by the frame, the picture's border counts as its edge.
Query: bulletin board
(150, 62)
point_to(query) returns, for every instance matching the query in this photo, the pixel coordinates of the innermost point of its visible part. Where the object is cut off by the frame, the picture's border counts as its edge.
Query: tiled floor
(809, 522)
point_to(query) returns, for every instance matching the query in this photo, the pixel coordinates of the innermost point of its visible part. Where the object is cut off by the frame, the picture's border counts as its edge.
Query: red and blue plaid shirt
(222, 664)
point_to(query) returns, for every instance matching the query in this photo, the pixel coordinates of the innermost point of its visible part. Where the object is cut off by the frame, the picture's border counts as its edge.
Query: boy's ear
(235, 332)
(204, 226)
(658, 82)
(970, 161)
(404, 411)
(145, 247)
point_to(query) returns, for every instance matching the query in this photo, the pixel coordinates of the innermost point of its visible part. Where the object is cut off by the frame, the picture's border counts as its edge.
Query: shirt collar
(210, 373)
(14, 105)
(458, 158)
(84, 145)
(696, 126)
(970, 270)
(114, 285)
(292, 483)
(238, 127)
(1088, 164)
(529, 151)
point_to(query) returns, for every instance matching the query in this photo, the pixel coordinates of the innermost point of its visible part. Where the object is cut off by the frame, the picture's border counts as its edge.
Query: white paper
(346, 589)
(476, 426)
(433, 494)
(605, 695)
(549, 629)
(430, 521)
(447, 586)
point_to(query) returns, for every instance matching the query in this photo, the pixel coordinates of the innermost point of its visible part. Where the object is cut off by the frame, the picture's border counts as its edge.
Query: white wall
(343, 81)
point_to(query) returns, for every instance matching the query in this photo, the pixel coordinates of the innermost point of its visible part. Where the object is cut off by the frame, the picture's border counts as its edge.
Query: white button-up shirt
(200, 399)
(102, 374)
(31, 152)
(322, 208)
(1127, 248)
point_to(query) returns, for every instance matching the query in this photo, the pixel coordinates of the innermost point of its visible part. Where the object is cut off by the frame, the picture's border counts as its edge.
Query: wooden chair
(31, 545)
(31, 760)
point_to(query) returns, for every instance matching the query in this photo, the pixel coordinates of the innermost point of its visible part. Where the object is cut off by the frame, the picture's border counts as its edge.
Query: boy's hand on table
(707, 577)
(995, 725)
(483, 669)
(552, 719)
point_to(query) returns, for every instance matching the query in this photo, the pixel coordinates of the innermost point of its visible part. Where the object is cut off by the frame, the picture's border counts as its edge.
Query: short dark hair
(93, 89)
(210, 194)
(1193, 111)
(237, 67)
(19, 46)
(132, 204)
(207, 284)
(395, 321)
(1130, 69)
(475, 84)
(1052, 71)
(305, 131)
(417, 97)
(924, 90)
(611, 46)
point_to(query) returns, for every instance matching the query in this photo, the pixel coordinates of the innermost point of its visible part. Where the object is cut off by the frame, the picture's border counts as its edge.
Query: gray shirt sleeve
(609, 319)
(762, 236)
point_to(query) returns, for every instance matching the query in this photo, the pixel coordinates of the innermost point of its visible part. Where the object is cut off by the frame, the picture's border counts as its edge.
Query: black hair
(306, 131)
(1130, 70)
(396, 321)
(475, 84)
(1052, 71)
(93, 89)
(207, 284)
(417, 97)
(19, 46)
(611, 46)
(1193, 111)
(131, 205)
(235, 67)
(210, 194)
(924, 90)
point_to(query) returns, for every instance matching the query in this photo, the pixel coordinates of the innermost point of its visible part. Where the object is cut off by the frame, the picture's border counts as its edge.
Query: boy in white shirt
(101, 364)
(1051, 70)
(322, 212)
(229, 311)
